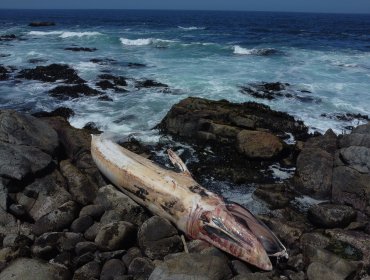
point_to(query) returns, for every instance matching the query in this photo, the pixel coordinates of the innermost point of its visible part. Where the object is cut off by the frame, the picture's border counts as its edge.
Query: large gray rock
(80, 187)
(21, 129)
(331, 215)
(326, 142)
(44, 195)
(158, 238)
(58, 219)
(314, 172)
(16, 162)
(141, 268)
(115, 236)
(31, 269)
(355, 139)
(88, 271)
(192, 266)
(112, 269)
(350, 187)
(112, 199)
(319, 271)
(259, 144)
(357, 158)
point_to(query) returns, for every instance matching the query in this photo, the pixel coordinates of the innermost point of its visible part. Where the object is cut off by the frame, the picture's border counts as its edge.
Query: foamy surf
(262, 52)
(144, 41)
(79, 34)
(191, 28)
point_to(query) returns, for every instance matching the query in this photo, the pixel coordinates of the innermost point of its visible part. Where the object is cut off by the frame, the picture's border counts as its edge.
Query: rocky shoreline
(60, 219)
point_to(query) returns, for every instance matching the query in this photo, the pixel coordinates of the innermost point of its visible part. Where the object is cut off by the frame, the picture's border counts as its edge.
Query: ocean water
(325, 57)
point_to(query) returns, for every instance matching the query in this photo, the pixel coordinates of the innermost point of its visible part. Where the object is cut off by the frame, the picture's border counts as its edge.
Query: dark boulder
(58, 219)
(4, 73)
(81, 224)
(94, 211)
(113, 269)
(103, 61)
(88, 271)
(135, 65)
(116, 80)
(21, 129)
(8, 37)
(63, 112)
(76, 91)
(52, 73)
(192, 266)
(41, 23)
(116, 235)
(141, 268)
(350, 187)
(150, 84)
(265, 90)
(314, 172)
(331, 215)
(158, 238)
(80, 49)
(36, 60)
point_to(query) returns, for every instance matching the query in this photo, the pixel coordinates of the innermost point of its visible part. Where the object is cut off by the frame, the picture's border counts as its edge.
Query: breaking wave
(64, 34)
(262, 52)
(191, 28)
(143, 41)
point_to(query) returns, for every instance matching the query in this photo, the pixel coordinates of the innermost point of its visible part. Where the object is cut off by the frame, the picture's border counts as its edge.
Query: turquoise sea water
(208, 54)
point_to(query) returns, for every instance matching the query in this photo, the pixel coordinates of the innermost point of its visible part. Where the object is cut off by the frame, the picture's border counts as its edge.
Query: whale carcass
(176, 196)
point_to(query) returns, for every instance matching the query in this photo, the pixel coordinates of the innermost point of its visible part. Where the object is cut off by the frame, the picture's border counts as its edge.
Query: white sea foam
(242, 51)
(143, 41)
(64, 34)
(44, 33)
(68, 34)
(191, 28)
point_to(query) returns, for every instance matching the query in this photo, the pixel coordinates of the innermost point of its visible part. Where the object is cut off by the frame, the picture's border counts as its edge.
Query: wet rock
(135, 65)
(105, 98)
(22, 129)
(192, 266)
(8, 37)
(112, 269)
(345, 117)
(116, 80)
(51, 188)
(80, 187)
(37, 60)
(350, 187)
(81, 224)
(314, 239)
(275, 195)
(356, 157)
(331, 216)
(130, 255)
(141, 268)
(63, 112)
(105, 84)
(63, 259)
(265, 90)
(88, 271)
(76, 91)
(158, 238)
(116, 235)
(258, 144)
(103, 61)
(8, 254)
(296, 262)
(26, 269)
(52, 73)
(187, 118)
(58, 219)
(17, 210)
(150, 84)
(4, 73)
(110, 198)
(41, 23)
(80, 49)
(314, 172)
(94, 211)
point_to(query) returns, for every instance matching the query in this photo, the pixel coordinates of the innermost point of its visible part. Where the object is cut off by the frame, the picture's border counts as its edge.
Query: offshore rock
(52, 73)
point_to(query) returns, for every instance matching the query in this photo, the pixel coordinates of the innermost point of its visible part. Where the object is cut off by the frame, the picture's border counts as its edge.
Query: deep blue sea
(324, 57)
